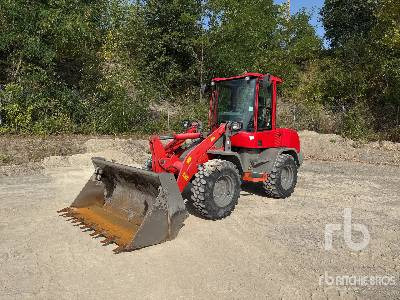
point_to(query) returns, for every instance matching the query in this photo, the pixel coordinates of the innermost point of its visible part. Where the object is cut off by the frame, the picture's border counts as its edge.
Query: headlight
(236, 126)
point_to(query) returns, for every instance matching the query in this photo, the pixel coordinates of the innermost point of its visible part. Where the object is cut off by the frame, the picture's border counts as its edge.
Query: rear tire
(216, 189)
(283, 178)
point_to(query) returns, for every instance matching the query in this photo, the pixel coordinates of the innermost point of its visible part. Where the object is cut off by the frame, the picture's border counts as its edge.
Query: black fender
(229, 156)
(298, 156)
(267, 158)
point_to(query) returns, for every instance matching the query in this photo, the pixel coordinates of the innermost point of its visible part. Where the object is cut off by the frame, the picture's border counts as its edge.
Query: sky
(312, 6)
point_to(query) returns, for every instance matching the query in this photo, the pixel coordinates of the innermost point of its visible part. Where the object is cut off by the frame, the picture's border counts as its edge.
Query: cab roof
(258, 75)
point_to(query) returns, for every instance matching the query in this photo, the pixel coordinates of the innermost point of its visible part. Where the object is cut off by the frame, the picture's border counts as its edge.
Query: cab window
(264, 119)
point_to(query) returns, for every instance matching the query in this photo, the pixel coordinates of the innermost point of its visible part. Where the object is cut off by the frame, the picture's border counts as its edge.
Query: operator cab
(249, 99)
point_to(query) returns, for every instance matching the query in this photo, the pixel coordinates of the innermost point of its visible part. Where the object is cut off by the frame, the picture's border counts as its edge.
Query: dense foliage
(119, 66)
(361, 71)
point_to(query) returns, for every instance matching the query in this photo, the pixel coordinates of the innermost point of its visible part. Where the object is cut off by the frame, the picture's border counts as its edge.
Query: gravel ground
(266, 249)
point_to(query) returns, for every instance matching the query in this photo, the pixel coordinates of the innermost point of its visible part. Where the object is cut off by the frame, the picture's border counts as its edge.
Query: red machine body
(244, 147)
(273, 138)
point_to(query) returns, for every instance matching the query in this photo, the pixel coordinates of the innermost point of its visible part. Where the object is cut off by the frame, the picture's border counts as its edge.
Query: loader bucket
(130, 207)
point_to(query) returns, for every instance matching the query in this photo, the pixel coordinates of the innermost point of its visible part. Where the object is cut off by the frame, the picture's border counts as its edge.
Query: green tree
(48, 59)
(348, 20)
(164, 41)
(57, 36)
(386, 43)
(258, 36)
(359, 74)
(237, 39)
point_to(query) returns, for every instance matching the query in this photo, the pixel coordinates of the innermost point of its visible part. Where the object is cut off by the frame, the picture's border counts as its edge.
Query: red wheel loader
(136, 208)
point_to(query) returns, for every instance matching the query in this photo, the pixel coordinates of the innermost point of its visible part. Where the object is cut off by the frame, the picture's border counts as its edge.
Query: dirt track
(267, 249)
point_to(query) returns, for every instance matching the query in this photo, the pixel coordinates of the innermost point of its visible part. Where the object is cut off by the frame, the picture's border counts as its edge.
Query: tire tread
(200, 183)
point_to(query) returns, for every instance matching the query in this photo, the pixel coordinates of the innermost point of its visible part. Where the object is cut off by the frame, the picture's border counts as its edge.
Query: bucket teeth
(119, 249)
(88, 227)
(92, 226)
(96, 230)
(96, 233)
(107, 241)
(68, 215)
(80, 223)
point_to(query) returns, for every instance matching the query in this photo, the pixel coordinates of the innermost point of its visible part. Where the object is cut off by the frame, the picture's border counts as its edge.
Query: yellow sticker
(213, 138)
(189, 160)
(185, 176)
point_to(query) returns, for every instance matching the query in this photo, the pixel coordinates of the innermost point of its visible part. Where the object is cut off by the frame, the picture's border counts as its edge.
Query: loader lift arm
(184, 170)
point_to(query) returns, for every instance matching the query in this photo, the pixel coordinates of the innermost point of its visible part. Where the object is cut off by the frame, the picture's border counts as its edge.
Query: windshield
(236, 101)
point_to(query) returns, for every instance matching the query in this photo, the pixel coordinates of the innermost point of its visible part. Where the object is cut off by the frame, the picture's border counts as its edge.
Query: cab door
(264, 116)
(267, 136)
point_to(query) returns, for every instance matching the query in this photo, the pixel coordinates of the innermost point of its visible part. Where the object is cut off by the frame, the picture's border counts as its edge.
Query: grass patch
(5, 159)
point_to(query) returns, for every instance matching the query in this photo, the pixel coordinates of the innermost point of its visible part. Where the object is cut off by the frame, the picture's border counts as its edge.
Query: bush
(357, 124)
(32, 108)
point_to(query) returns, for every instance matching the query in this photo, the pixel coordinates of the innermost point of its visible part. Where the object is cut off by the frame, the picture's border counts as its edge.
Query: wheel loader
(136, 208)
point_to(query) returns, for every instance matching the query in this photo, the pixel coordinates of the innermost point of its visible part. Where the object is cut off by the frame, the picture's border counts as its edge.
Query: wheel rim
(223, 191)
(287, 177)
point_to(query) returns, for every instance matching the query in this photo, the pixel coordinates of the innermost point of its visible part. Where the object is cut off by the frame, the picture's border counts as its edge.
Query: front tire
(216, 189)
(283, 178)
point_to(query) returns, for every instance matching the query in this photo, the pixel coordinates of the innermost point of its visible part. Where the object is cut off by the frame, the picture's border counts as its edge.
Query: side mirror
(205, 88)
(186, 124)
